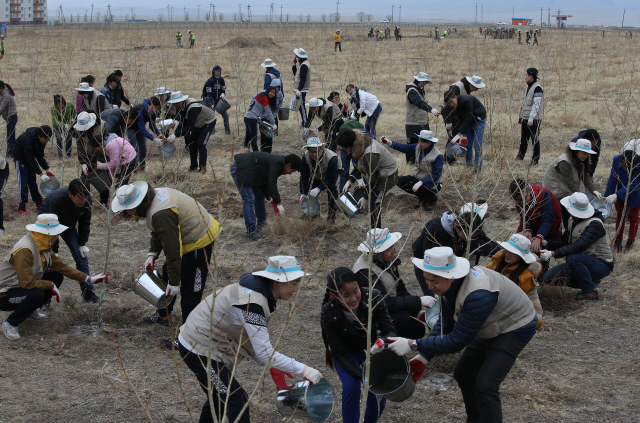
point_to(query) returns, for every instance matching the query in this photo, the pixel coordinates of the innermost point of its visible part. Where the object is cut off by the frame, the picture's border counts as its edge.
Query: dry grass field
(583, 366)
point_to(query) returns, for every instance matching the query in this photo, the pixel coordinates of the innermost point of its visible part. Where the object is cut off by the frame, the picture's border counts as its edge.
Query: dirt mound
(243, 42)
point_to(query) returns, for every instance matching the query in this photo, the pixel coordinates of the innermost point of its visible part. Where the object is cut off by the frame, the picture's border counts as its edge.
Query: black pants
(375, 205)
(251, 134)
(426, 194)
(481, 369)
(4, 176)
(530, 133)
(406, 326)
(195, 268)
(412, 132)
(336, 47)
(198, 139)
(23, 302)
(226, 391)
(330, 139)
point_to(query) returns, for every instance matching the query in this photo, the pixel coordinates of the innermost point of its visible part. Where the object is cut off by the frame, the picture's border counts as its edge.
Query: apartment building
(19, 12)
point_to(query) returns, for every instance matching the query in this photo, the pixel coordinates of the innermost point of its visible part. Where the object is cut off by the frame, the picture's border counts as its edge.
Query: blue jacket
(619, 181)
(457, 335)
(109, 94)
(436, 166)
(272, 73)
(214, 87)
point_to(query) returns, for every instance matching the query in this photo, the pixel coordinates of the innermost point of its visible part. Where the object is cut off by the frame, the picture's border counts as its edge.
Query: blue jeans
(580, 271)
(253, 209)
(27, 182)
(59, 131)
(139, 142)
(372, 121)
(474, 143)
(225, 118)
(251, 134)
(197, 143)
(351, 392)
(70, 237)
(11, 133)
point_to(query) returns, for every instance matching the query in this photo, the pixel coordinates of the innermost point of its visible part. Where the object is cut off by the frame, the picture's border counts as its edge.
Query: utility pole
(400, 14)
(198, 13)
(249, 12)
(337, 12)
(169, 12)
(475, 20)
(91, 20)
(558, 18)
(623, 13)
(392, 12)
(280, 13)
(513, 13)
(541, 17)
(481, 13)
(132, 15)
(549, 17)
(240, 13)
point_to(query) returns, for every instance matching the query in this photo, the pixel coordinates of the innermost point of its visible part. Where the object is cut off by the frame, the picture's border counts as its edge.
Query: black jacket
(30, 151)
(434, 235)
(403, 301)
(59, 203)
(340, 334)
(306, 180)
(469, 111)
(214, 87)
(119, 97)
(590, 235)
(260, 169)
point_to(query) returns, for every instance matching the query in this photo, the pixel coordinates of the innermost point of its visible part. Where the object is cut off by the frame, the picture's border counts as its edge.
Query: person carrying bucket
(319, 172)
(482, 312)
(345, 305)
(232, 324)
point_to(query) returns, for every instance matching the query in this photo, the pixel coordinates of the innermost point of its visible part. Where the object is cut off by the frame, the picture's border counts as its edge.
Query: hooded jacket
(214, 87)
(8, 106)
(270, 75)
(29, 151)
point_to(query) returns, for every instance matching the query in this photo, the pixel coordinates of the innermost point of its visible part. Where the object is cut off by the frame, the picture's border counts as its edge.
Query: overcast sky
(585, 12)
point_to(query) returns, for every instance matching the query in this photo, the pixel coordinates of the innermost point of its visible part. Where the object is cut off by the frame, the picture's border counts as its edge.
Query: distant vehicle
(501, 23)
(384, 21)
(246, 20)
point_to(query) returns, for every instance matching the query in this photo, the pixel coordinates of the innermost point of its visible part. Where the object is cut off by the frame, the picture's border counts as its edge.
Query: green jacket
(63, 117)
(260, 169)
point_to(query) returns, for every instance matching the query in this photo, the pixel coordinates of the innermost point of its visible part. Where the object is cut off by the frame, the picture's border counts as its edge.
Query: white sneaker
(11, 332)
(37, 315)
(1, 231)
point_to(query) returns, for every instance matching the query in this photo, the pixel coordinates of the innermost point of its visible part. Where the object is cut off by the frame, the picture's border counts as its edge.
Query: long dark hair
(336, 280)
(7, 86)
(572, 155)
(272, 101)
(89, 79)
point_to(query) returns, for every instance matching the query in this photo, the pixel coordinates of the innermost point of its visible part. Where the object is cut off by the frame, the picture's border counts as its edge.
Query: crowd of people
(491, 311)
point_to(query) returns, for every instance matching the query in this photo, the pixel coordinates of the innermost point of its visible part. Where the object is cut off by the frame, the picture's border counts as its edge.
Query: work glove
(530, 122)
(84, 250)
(296, 92)
(314, 192)
(546, 255)
(346, 187)
(400, 346)
(45, 178)
(354, 115)
(279, 380)
(85, 170)
(54, 291)
(150, 263)
(361, 183)
(171, 138)
(427, 301)
(100, 165)
(99, 278)
(611, 199)
(418, 365)
(377, 346)
(311, 374)
(157, 141)
(277, 208)
(435, 112)
(455, 139)
(49, 174)
(416, 186)
(385, 140)
(302, 197)
(597, 194)
(222, 96)
(172, 290)
(519, 121)
(274, 127)
(362, 203)
(448, 126)
(544, 242)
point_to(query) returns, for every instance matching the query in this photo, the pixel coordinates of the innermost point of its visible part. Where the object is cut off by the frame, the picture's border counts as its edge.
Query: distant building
(521, 21)
(19, 12)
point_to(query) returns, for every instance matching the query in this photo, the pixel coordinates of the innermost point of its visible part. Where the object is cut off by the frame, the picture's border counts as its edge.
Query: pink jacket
(117, 148)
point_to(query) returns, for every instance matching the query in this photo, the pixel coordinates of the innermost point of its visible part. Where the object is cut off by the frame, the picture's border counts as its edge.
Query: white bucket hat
(520, 245)
(129, 196)
(162, 90)
(422, 76)
(476, 81)
(441, 261)
(379, 240)
(314, 102)
(582, 145)
(313, 142)
(177, 97)
(577, 204)
(479, 209)
(632, 146)
(300, 52)
(85, 121)
(48, 224)
(282, 269)
(84, 86)
(427, 135)
(268, 63)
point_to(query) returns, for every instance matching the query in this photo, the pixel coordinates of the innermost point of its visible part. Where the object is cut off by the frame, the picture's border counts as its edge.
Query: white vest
(415, 115)
(527, 103)
(307, 82)
(423, 167)
(554, 182)
(319, 172)
(387, 280)
(600, 248)
(388, 165)
(8, 276)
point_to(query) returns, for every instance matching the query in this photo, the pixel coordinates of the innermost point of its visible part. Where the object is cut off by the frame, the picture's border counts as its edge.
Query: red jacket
(544, 217)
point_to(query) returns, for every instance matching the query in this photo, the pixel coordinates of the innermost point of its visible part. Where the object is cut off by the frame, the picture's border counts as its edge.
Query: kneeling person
(320, 170)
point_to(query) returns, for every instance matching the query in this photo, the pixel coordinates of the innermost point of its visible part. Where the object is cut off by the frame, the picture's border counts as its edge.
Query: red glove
(279, 380)
(275, 206)
(295, 60)
(519, 121)
(344, 107)
(463, 141)
(50, 175)
(418, 365)
(377, 346)
(54, 291)
(422, 316)
(105, 279)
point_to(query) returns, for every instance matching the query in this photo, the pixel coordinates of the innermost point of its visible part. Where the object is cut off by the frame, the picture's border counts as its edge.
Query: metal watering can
(310, 206)
(49, 186)
(167, 149)
(603, 207)
(390, 376)
(306, 402)
(266, 129)
(152, 289)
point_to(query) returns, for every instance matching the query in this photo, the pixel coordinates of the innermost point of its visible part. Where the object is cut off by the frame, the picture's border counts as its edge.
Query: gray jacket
(8, 106)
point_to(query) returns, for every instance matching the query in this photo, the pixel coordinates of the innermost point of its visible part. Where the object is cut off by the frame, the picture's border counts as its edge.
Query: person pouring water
(233, 324)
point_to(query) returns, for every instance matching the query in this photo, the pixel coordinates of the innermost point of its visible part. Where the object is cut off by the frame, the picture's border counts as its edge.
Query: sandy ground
(583, 366)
